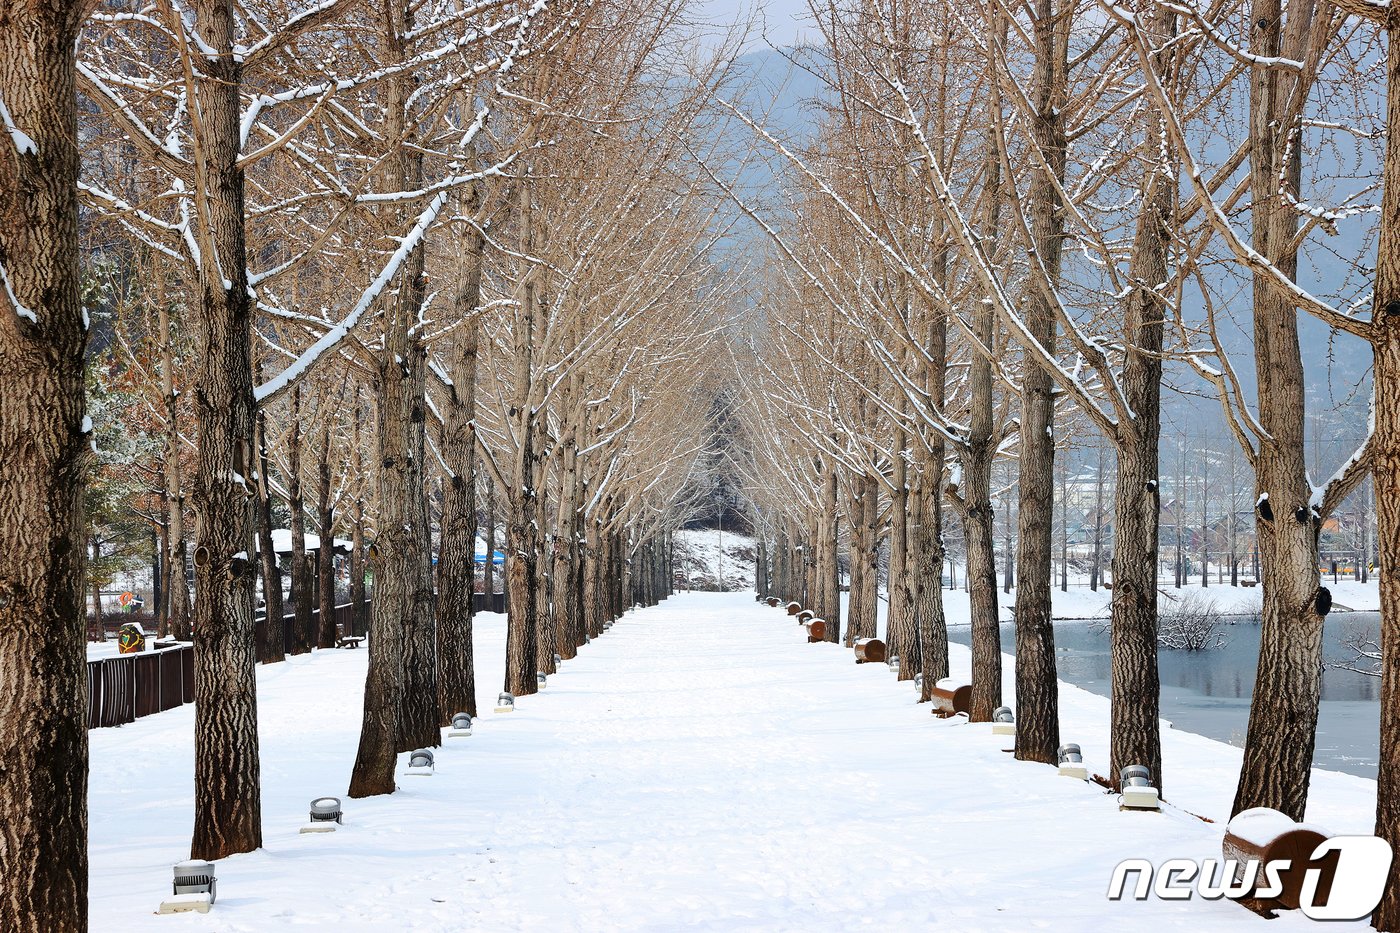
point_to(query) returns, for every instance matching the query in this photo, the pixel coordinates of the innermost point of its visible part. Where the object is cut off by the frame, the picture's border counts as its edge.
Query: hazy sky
(786, 20)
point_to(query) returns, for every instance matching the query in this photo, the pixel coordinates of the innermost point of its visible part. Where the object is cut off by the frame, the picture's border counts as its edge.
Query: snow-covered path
(698, 768)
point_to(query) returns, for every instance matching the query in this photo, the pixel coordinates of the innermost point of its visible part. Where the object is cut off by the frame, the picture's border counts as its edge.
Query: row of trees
(1014, 222)
(354, 260)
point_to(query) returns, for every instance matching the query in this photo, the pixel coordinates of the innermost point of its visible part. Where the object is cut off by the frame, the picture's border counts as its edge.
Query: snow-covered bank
(1080, 602)
(701, 554)
(699, 767)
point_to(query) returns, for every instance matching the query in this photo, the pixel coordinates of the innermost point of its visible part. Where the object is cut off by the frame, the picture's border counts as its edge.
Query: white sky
(786, 20)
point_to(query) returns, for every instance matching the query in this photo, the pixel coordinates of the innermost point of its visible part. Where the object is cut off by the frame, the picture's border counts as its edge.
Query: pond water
(1208, 692)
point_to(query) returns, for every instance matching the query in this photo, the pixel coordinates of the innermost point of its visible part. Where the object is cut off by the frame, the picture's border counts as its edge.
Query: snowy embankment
(1080, 602)
(701, 554)
(699, 767)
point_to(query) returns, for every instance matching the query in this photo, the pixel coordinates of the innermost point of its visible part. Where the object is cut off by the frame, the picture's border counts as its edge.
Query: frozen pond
(1207, 692)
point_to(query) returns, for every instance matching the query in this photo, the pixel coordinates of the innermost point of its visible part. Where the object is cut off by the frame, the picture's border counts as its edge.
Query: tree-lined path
(699, 767)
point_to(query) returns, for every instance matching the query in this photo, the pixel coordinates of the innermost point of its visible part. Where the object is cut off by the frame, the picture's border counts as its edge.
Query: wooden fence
(129, 686)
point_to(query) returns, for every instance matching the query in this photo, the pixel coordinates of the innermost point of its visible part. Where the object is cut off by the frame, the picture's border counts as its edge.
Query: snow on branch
(19, 307)
(24, 143)
(328, 341)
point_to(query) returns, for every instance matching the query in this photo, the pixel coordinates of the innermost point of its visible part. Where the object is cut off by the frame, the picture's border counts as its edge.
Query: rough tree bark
(325, 557)
(1386, 343)
(273, 648)
(457, 541)
(302, 634)
(1282, 728)
(1037, 693)
(901, 630)
(228, 804)
(43, 706)
(1135, 731)
(522, 513)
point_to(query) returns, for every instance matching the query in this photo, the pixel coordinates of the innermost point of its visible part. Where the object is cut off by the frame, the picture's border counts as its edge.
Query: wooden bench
(772, 601)
(349, 641)
(816, 630)
(951, 697)
(805, 616)
(794, 608)
(869, 649)
(1266, 835)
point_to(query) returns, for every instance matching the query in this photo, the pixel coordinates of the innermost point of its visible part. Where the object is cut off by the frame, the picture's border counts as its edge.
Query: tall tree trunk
(457, 540)
(978, 525)
(273, 648)
(546, 624)
(359, 623)
(1096, 569)
(926, 546)
(1135, 730)
(398, 714)
(1278, 748)
(228, 805)
(975, 496)
(592, 596)
(303, 626)
(1037, 692)
(43, 706)
(901, 629)
(177, 608)
(488, 533)
(821, 557)
(868, 555)
(325, 557)
(855, 606)
(566, 556)
(94, 584)
(1386, 464)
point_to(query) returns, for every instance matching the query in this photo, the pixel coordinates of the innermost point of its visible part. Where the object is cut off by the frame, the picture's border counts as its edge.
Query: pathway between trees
(699, 767)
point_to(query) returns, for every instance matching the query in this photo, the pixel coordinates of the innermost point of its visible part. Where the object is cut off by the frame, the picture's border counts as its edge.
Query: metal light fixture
(461, 725)
(195, 888)
(1003, 721)
(539, 679)
(919, 682)
(1138, 792)
(558, 659)
(1072, 762)
(505, 703)
(420, 763)
(894, 663)
(325, 815)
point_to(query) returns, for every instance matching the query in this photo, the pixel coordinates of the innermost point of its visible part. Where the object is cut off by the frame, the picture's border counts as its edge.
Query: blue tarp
(496, 557)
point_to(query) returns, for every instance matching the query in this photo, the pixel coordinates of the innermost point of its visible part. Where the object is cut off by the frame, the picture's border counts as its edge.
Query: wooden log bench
(950, 697)
(1263, 835)
(805, 616)
(772, 601)
(869, 649)
(816, 630)
(794, 608)
(349, 641)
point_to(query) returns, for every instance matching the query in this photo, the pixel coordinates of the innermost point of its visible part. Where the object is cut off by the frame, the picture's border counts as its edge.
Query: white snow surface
(700, 767)
(697, 555)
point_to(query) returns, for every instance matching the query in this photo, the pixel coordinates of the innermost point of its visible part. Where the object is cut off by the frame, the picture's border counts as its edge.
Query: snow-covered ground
(700, 767)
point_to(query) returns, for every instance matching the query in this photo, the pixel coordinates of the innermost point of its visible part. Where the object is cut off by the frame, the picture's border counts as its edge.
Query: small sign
(126, 598)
